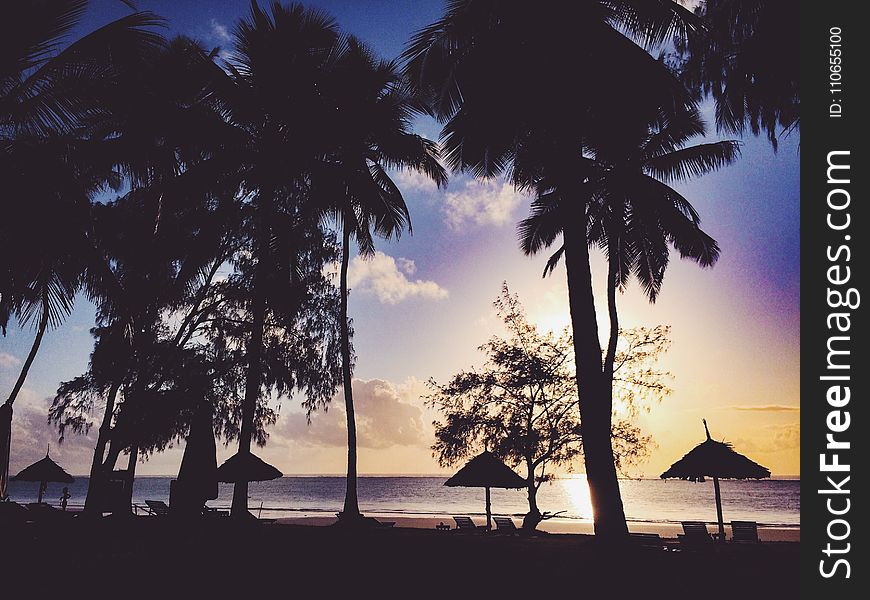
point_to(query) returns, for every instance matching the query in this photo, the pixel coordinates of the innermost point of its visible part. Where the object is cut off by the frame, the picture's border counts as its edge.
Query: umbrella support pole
(719, 509)
(488, 511)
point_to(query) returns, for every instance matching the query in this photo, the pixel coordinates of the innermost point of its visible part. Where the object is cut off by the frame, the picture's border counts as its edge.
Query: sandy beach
(566, 526)
(220, 558)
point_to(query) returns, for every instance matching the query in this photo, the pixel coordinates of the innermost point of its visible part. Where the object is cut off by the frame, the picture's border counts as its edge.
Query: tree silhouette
(633, 214)
(522, 404)
(47, 90)
(580, 64)
(746, 56)
(372, 132)
(271, 98)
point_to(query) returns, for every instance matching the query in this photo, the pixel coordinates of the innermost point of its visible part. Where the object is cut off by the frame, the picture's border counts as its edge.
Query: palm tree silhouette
(47, 91)
(519, 91)
(371, 130)
(157, 130)
(272, 97)
(632, 213)
(746, 56)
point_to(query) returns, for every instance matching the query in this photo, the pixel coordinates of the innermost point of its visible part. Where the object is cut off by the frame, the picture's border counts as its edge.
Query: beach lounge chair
(157, 508)
(466, 524)
(380, 524)
(208, 511)
(505, 525)
(13, 514)
(694, 534)
(647, 540)
(744, 532)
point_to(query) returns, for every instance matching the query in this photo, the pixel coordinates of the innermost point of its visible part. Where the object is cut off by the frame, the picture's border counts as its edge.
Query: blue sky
(422, 305)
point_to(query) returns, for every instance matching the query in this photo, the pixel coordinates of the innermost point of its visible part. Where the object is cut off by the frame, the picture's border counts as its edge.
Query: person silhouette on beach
(64, 496)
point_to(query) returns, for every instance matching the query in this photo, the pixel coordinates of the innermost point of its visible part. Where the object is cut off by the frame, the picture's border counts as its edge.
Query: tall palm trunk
(34, 348)
(595, 398)
(255, 353)
(351, 500)
(96, 482)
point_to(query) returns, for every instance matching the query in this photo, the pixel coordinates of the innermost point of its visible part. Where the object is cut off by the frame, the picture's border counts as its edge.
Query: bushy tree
(522, 404)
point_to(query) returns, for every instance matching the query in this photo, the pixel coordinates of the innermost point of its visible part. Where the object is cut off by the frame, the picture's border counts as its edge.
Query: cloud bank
(386, 416)
(387, 278)
(482, 203)
(7, 361)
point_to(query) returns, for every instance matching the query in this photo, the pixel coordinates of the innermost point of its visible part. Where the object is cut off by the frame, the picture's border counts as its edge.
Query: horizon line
(787, 477)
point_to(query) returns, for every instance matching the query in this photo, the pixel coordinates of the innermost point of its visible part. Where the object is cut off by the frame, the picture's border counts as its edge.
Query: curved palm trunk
(610, 355)
(6, 425)
(351, 500)
(96, 487)
(34, 348)
(255, 357)
(594, 391)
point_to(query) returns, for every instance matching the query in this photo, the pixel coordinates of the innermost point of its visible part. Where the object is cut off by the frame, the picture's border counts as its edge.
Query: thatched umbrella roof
(485, 470)
(43, 471)
(719, 461)
(244, 466)
(715, 459)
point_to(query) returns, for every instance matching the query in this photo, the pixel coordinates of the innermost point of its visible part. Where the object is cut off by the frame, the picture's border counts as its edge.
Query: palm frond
(543, 225)
(553, 261)
(687, 163)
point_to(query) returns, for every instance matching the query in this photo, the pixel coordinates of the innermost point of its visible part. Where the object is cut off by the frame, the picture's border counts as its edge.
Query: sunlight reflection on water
(577, 491)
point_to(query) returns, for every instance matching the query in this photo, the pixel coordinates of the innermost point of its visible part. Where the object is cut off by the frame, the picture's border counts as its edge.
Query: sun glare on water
(577, 490)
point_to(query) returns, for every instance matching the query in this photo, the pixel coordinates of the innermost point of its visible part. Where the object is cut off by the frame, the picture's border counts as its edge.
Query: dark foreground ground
(156, 557)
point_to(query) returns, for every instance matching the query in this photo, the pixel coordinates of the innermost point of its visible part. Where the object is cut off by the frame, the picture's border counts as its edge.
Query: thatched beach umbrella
(244, 466)
(43, 471)
(486, 471)
(717, 460)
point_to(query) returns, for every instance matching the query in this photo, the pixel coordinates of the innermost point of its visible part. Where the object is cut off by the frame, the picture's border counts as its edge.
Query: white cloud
(410, 180)
(219, 31)
(482, 202)
(7, 361)
(406, 265)
(387, 278)
(772, 438)
(387, 415)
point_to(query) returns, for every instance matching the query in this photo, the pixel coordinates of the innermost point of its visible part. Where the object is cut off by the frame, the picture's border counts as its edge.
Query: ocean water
(769, 502)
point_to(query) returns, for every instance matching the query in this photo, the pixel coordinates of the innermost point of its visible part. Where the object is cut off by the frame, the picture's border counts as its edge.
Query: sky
(422, 305)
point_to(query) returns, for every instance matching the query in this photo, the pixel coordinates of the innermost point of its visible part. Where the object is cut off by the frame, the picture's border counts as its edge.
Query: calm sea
(771, 502)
